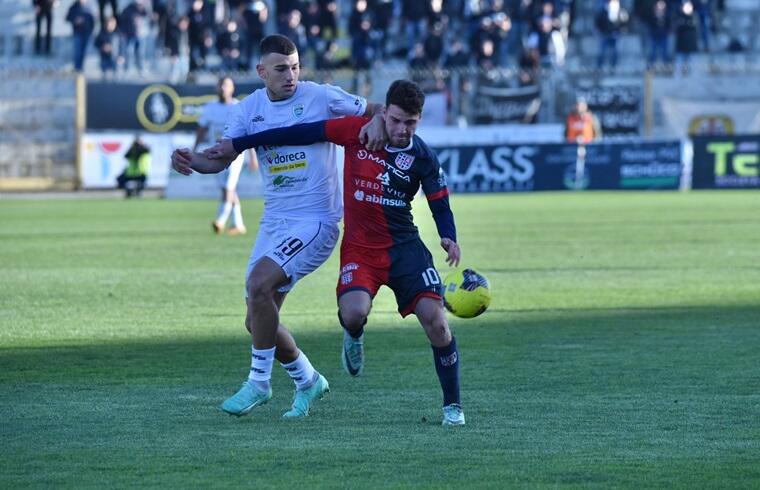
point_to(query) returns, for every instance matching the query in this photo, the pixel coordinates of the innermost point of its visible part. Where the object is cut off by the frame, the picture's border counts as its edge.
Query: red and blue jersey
(378, 188)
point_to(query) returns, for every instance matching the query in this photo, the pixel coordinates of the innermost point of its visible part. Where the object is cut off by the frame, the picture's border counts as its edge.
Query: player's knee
(353, 317)
(260, 291)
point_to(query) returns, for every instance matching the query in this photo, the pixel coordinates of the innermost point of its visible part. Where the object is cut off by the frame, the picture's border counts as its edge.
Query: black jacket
(686, 34)
(81, 19)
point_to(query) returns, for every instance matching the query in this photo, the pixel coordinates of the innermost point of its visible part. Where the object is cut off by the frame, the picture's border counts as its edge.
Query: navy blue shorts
(406, 268)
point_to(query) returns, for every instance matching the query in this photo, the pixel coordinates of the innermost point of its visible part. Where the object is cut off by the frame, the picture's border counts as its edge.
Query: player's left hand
(182, 161)
(372, 134)
(452, 249)
(222, 150)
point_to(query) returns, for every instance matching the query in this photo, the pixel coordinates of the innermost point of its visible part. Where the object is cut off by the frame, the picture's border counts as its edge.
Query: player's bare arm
(222, 150)
(373, 134)
(452, 249)
(185, 162)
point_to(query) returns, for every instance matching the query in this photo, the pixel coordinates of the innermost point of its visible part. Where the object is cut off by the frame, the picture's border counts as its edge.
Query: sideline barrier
(469, 168)
(103, 159)
(555, 167)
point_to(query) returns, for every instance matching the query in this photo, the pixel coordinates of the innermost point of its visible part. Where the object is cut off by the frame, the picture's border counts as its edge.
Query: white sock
(301, 372)
(262, 361)
(224, 212)
(237, 216)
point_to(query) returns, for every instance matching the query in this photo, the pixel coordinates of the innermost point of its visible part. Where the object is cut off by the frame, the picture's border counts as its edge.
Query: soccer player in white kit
(211, 126)
(302, 207)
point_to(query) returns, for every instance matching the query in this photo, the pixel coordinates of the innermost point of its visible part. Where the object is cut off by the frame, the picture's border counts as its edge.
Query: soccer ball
(467, 293)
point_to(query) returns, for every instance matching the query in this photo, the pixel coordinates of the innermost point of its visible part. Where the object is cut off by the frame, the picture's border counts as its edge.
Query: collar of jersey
(391, 149)
(283, 101)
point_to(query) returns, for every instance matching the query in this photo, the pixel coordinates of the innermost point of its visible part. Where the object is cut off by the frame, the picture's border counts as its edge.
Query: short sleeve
(344, 131)
(236, 123)
(341, 103)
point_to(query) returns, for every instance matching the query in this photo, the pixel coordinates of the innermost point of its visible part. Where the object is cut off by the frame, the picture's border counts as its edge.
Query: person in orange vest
(582, 126)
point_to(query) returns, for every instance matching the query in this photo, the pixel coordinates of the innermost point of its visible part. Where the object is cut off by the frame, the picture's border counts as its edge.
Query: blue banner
(555, 167)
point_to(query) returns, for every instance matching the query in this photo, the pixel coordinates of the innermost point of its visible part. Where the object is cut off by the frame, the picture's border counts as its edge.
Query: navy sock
(447, 367)
(355, 334)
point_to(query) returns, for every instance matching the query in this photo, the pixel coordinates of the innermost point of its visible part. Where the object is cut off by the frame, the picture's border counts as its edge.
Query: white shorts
(228, 178)
(297, 246)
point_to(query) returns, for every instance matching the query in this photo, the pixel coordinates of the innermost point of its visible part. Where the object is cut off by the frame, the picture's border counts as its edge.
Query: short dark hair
(407, 95)
(277, 43)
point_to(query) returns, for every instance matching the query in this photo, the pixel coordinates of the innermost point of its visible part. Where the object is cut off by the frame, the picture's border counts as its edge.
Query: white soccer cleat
(453, 415)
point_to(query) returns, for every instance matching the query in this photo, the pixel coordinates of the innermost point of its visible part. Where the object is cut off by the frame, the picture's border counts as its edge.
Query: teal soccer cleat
(247, 397)
(352, 356)
(304, 399)
(453, 415)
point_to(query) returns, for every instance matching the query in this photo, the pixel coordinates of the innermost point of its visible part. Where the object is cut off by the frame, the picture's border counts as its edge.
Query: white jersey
(214, 117)
(300, 182)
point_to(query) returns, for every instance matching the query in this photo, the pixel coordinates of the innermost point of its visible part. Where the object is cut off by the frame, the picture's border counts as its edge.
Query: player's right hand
(181, 161)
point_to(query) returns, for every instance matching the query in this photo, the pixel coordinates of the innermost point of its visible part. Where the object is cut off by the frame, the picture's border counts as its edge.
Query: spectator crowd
(361, 34)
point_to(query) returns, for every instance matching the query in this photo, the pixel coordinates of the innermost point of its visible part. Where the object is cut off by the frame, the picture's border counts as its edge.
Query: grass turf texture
(620, 350)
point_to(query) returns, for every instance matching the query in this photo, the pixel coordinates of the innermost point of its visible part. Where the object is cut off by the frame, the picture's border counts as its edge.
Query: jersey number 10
(431, 277)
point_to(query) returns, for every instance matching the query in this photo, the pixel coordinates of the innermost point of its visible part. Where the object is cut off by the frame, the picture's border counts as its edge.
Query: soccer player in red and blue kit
(381, 244)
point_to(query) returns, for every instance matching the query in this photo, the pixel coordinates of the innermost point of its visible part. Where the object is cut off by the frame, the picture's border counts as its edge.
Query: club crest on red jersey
(404, 161)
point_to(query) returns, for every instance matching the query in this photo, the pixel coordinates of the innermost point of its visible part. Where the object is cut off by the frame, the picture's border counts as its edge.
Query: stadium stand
(37, 137)
(38, 96)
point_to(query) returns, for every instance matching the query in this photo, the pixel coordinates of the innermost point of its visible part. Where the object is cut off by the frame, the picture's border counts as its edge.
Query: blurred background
(668, 90)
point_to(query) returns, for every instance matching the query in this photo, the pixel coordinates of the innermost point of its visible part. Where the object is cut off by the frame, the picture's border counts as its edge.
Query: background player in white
(211, 126)
(302, 207)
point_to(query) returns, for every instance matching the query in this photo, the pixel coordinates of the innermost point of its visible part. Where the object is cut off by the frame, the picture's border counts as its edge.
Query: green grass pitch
(621, 349)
